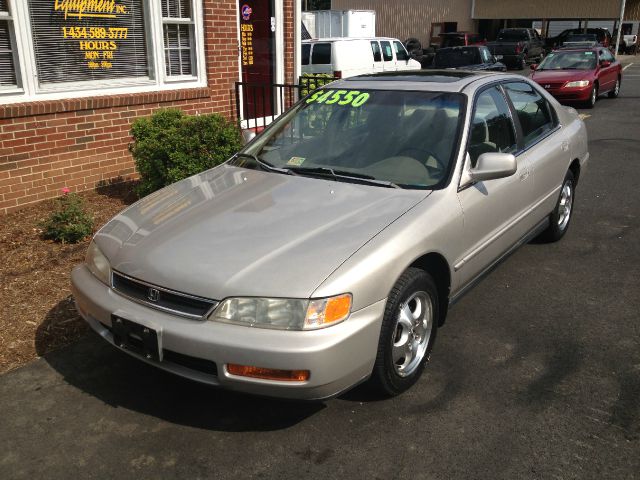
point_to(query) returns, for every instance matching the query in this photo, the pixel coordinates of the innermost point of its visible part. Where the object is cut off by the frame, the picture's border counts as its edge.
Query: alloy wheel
(565, 205)
(412, 333)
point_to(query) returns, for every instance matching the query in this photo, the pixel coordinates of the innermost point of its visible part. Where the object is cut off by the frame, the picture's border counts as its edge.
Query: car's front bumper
(571, 94)
(338, 357)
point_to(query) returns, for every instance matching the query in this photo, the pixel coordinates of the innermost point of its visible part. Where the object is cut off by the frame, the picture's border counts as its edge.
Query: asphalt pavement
(535, 375)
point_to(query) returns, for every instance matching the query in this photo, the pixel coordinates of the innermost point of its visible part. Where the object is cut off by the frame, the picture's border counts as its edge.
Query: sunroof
(416, 76)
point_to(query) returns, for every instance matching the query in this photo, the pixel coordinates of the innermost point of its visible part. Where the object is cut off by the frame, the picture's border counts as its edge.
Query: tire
(408, 332)
(560, 218)
(522, 63)
(616, 90)
(413, 44)
(593, 97)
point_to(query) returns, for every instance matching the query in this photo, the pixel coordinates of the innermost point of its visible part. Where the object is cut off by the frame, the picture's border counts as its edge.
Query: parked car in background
(516, 47)
(629, 44)
(468, 58)
(580, 40)
(346, 57)
(328, 250)
(603, 37)
(579, 75)
(461, 39)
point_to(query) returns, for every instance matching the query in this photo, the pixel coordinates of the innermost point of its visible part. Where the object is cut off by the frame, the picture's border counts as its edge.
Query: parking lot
(535, 375)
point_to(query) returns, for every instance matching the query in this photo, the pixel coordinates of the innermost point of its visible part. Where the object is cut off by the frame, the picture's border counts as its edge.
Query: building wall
(78, 143)
(536, 9)
(412, 18)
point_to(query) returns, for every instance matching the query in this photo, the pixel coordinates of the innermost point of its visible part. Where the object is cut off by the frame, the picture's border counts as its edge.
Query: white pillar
(622, 5)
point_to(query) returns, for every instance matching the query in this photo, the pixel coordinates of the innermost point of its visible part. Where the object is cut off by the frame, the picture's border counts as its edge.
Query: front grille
(162, 298)
(552, 85)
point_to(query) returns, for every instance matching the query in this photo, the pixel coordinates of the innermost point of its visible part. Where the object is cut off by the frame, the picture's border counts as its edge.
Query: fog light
(268, 373)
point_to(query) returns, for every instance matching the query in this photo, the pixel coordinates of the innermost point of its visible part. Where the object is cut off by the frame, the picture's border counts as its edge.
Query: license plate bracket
(135, 338)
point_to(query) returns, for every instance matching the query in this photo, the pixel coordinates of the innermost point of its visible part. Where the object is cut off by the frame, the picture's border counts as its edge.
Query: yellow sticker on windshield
(296, 161)
(353, 98)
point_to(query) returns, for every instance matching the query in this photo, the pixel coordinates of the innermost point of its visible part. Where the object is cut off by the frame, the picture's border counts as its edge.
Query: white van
(346, 57)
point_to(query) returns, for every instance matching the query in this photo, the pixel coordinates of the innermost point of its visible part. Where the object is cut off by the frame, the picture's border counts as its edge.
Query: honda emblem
(153, 294)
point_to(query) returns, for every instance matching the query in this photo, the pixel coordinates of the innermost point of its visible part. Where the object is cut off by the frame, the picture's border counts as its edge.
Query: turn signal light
(268, 373)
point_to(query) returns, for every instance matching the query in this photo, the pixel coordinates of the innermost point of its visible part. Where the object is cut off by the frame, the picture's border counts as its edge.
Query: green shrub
(170, 146)
(312, 81)
(69, 223)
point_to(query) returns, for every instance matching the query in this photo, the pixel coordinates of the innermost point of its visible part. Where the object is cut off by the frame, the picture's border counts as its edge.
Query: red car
(579, 75)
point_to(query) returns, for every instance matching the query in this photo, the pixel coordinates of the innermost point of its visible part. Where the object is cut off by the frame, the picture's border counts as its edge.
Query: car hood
(231, 231)
(561, 75)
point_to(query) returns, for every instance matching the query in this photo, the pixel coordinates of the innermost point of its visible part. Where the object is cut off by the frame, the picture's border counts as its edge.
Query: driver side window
(492, 128)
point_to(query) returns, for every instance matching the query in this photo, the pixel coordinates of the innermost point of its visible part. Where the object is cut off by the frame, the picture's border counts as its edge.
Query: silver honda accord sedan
(328, 250)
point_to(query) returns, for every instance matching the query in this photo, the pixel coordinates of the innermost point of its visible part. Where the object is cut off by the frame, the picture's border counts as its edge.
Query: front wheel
(408, 332)
(616, 90)
(561, 216)
(593, 97)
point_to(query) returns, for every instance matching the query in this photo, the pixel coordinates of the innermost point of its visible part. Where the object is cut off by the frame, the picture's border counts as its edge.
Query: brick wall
(77, 143)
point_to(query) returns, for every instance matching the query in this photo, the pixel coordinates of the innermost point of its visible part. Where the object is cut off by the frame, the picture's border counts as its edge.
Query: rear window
(321, 54)
(513, 35)
(452, 41)
(306, 53)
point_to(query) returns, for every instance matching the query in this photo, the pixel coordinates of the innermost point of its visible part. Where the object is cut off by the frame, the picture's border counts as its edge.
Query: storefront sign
(79, 40)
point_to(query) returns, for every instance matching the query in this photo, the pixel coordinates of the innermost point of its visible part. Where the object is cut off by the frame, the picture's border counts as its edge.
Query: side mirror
(605, 63)
(534, 66)
(493, 165)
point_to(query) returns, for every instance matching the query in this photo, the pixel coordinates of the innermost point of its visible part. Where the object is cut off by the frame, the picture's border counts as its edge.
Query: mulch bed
(38, 314)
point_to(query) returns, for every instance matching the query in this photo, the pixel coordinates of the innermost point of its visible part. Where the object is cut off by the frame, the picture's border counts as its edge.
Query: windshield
(401, 138)
(459, 57)
(513, 36)
(569, 61)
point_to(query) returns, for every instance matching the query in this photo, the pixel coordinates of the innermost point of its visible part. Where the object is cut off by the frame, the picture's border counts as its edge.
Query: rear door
(378, 66)
(388, 60)
(321, 57)
(543, 144)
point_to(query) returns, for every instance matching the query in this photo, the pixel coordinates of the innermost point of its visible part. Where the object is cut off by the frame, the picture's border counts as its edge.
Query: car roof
(459, 47)
(418, 80)
(346, 39)
(594, 48)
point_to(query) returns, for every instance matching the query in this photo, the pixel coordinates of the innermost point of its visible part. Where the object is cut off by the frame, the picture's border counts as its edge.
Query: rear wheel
(408, 332)
(561, 216)
(616, 90)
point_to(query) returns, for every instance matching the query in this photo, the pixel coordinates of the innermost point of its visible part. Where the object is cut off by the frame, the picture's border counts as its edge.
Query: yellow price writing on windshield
(354, 98)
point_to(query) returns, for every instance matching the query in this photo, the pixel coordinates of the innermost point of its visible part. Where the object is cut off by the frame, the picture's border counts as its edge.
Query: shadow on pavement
(100, 370)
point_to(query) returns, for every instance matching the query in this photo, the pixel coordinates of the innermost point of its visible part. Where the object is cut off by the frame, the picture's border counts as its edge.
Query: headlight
(283, 313)
(98, 264)
(578, 83)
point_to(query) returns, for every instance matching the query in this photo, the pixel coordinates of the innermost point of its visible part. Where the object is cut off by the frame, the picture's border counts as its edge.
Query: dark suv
(602, 34)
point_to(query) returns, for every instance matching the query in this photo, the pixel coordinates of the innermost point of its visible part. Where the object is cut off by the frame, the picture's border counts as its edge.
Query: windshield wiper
(262, 163)
(344, 175)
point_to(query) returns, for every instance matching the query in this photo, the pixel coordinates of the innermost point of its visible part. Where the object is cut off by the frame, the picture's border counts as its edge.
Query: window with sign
(74, 45)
